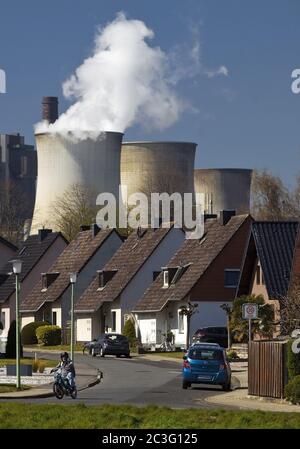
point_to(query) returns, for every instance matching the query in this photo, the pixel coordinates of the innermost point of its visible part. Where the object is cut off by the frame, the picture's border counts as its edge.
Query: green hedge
(10, 352)
(293, 361)
(292, 390)
(28, 333)
(49, 335)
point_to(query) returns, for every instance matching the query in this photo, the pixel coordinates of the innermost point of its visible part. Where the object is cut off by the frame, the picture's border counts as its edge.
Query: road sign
(250, 311)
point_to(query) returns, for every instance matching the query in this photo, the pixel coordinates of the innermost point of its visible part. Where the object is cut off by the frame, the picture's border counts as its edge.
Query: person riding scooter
(67, 369)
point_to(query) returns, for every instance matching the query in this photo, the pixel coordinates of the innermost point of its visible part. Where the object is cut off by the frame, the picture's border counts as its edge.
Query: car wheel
(102, 354)
(186, 385)
(227, 386)
(127, 355)
(118, 355)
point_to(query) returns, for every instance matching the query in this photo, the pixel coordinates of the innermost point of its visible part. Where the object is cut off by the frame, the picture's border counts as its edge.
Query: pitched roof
(73, 259)
(127, 261)
(196, 255)
(31, 251)
(275, 245)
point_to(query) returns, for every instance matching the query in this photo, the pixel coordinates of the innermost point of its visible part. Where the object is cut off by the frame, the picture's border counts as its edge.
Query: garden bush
(10, 352)
(49, 335)
(293, 361)
(232, 354)
(28, 333)
(292, 390)
(129, 332)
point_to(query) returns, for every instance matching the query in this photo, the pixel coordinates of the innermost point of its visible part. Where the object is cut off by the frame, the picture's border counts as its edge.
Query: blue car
(206, 363)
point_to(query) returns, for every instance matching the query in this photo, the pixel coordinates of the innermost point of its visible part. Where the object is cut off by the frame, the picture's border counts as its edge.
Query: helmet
(64, 355)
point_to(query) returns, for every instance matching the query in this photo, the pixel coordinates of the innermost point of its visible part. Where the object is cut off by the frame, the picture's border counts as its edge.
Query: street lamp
(17, 268)
(73, 279)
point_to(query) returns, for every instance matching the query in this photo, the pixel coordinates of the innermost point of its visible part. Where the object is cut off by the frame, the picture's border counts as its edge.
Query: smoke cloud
(124, 82)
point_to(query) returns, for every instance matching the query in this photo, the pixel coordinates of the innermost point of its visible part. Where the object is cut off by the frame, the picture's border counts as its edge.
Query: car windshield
(205, 354)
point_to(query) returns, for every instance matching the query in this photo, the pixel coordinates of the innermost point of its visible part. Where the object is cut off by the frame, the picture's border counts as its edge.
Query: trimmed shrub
(292, 390)
(49, 335)
(293, 361)
(232, 354)
(129, 332)
(28, 333)
(10, 352)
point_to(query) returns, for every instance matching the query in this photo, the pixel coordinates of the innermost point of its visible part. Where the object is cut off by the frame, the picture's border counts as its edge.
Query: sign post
(250, 312)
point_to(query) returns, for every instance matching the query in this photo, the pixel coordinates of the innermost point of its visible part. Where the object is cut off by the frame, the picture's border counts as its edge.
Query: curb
(50, 393)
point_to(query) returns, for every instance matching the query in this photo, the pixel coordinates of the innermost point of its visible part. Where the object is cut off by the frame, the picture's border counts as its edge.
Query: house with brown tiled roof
(115, 290)
(37, 253)
(50, 299)
(271, 263)
(205, 271)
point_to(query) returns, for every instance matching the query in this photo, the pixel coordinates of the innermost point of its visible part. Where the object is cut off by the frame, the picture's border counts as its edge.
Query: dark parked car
(212, 335)
(108, 344)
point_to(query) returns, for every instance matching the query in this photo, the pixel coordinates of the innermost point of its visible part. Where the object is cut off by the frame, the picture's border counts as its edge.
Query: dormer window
(104, 277)
(48, 279)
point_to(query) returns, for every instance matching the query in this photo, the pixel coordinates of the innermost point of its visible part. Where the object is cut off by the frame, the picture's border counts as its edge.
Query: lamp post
(73, 279)
(17, 268)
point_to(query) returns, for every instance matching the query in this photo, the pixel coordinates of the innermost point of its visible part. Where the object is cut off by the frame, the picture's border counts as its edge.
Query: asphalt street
(137, 381)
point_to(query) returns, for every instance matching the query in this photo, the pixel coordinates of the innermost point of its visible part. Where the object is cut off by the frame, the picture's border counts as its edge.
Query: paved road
(138, 381)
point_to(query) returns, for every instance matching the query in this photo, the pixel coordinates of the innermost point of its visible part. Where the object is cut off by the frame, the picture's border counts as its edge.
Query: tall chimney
(50, 109)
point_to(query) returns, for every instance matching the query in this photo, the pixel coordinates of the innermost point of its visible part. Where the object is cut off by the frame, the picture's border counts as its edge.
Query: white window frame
(181, 323)
(165, 279)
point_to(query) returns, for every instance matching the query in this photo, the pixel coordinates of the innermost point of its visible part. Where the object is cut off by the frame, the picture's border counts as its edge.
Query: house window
(232, 277)
(166, 279)
(180, 322)
(258, 275)
(2, 319)
(113, 321)
(54, 318)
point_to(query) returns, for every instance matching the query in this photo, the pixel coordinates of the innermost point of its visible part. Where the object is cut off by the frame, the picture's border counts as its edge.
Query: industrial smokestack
(50, 109)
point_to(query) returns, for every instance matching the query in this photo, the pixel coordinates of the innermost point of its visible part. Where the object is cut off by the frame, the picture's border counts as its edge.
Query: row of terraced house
(149, 276)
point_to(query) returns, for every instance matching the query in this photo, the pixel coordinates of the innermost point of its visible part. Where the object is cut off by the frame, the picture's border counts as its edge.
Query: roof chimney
(225, 216)
(95, 229)
(84, 228)
(43, 233)
(50, 109)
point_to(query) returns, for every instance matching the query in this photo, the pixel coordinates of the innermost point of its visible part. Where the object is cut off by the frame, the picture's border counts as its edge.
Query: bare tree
(14, 210)
(290, 309)
(271, 200)
(189, 310)
(76, 207)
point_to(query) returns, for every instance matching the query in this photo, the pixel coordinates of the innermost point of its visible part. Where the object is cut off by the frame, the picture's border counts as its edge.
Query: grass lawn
(9, 388)
(37, 416)
(27, 361)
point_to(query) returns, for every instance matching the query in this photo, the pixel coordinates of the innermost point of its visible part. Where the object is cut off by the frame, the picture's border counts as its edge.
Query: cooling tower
(224, 189)
(156, 167)
(62, 162)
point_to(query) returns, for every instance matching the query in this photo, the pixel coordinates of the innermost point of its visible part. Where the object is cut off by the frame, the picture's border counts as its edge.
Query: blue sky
(249, 118)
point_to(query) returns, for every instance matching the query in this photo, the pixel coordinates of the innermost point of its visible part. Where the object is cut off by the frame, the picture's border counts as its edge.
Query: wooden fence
(267, 372)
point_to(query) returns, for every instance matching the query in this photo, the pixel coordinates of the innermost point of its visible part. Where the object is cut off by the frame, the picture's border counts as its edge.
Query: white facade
(153, 325)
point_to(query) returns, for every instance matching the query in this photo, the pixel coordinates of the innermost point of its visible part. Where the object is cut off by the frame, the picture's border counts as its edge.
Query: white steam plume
(124, 82)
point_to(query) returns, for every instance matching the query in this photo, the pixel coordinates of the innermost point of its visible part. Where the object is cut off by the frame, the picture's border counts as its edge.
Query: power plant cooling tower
(224, 189)
(156, 167)
(93, 164)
